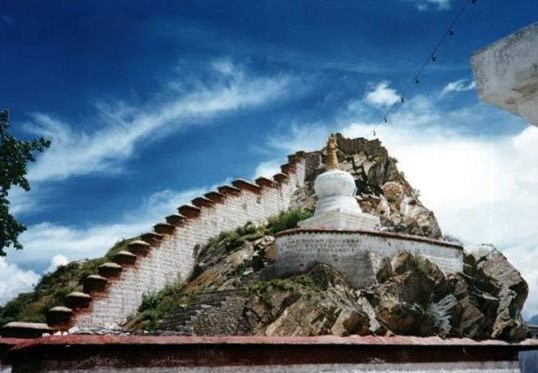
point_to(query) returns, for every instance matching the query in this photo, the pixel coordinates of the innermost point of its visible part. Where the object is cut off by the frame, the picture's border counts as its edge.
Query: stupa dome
(335, 183)
(337, 207)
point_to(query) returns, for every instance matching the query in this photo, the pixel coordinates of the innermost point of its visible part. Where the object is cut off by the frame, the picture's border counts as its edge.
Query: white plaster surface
(341, 220)
(173, 259)
(449, 367)
(506, 73)
(337, 207)
(356, 254)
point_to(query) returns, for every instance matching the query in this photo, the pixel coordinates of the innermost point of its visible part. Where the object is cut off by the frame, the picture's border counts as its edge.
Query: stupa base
(340, 220)
(358, 254)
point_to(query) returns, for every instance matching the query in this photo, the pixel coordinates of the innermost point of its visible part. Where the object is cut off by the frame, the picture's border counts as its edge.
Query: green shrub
(287, 220)
(156, 305)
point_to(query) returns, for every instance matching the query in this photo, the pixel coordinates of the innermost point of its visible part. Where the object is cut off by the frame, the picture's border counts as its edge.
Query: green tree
(14, 158)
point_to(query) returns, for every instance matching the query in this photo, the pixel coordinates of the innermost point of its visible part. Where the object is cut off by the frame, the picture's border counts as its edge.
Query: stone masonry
(357, 254)
(171, 257)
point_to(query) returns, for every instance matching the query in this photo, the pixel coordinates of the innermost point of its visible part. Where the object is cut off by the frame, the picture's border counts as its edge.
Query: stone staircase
(211, 313)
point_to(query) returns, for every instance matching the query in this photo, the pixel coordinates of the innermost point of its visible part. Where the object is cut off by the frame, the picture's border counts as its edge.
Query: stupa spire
(332, 157)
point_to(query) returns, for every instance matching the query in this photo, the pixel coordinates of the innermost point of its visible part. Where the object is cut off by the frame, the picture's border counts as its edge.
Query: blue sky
(148, 104)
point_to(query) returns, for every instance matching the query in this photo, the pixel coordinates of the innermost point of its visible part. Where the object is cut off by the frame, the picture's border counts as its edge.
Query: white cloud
(22, 201)
(74, 152)
(165, 202)
(44, 240)
(461, 85)
(55, 262)
(48, 240)
(267, 169)
(14, 280)
(482, 189)
(431, 4)
(300, 137)
(382, 95)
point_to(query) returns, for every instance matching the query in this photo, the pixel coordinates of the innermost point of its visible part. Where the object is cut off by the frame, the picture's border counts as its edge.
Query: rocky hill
(382, 189)
(233, 290)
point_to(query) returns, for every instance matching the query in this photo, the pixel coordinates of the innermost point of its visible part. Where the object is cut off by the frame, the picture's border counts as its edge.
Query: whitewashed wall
(356, 254)
(174, 258)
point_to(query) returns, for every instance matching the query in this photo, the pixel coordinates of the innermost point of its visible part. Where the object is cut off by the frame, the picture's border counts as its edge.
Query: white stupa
(342, 236)
(337, 208)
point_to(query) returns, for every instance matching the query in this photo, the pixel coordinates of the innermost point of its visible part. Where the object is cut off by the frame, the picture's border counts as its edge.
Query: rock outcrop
(234, 292)
(382, 189)
(233, 287)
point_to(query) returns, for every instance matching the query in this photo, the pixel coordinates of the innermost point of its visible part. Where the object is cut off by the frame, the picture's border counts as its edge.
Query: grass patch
(287, 220)
(155, 306)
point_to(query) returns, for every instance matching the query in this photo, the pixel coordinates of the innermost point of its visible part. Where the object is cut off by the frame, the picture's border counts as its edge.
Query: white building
(506, 73)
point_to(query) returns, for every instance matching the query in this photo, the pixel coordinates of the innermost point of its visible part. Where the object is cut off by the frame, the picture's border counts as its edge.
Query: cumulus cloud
(55, 262)
(76, 152)
(382, 95)
(14, 280)
(431, 4)
(49, 240)
(482, 189)
(166, 201)
(462, 85)
(267, 169)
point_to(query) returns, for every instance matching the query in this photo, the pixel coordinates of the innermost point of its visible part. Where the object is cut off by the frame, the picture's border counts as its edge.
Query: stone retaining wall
(169, 255)
(357, 254)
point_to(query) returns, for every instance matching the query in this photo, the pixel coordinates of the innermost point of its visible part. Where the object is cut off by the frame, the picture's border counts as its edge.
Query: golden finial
(332, 158)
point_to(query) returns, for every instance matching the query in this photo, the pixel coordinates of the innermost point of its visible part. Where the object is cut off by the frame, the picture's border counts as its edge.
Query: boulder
(351, 321)
(512, 291)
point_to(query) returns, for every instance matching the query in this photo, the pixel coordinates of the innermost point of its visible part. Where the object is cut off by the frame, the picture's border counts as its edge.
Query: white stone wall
(506, 73)
(356, 254)
(173, 259)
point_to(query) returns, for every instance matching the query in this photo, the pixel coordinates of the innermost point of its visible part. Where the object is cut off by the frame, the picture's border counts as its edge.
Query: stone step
(182, 320)
(59, 317)
(94, 283)
(110, 270)
(139, 247)
(125, 258)
(177, 220)
(189, 211)
(201, 202)
(164, 228)
(215, 196)
(77, 299)
(18, 329)
(152, 238)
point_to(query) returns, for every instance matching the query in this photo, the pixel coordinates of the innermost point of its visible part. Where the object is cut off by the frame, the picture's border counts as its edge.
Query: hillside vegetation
(53, 287)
